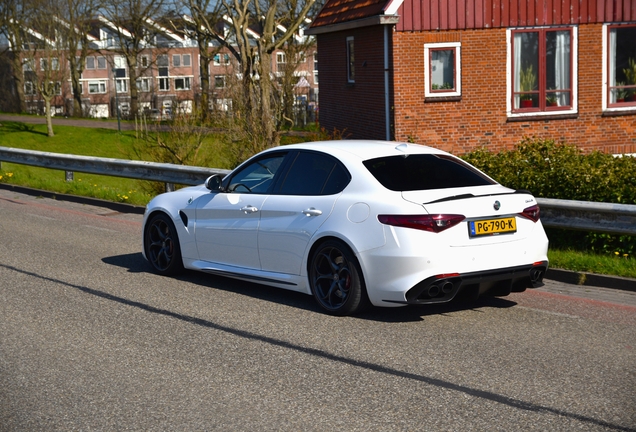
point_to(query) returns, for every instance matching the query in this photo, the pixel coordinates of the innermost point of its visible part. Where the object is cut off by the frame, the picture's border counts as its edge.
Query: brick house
(464, 74)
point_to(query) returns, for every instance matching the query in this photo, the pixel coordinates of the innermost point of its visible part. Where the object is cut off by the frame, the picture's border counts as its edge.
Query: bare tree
(46, 58)
(135, 33)
(258, 28)
(75, 16)
(199, 14)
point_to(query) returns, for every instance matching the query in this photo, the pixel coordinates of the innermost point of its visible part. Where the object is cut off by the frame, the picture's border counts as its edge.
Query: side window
(314, 173)
(351, 65)
(621, 66)
(542, 70)
(257, 176)
(443, 69)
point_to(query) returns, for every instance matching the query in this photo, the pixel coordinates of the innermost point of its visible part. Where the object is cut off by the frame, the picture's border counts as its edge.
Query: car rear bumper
(444, 288)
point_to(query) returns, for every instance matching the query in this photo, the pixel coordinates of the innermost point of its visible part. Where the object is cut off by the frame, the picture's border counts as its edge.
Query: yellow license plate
(492, 226)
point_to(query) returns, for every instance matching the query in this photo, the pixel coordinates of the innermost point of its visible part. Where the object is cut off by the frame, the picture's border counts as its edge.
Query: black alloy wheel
(336, 279)
(161, 245)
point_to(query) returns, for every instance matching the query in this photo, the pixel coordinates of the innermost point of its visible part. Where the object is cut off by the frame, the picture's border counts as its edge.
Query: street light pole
(116, 99)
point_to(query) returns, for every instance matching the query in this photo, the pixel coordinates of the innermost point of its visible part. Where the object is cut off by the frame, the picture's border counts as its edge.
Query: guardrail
(162, 172)
(577, 215)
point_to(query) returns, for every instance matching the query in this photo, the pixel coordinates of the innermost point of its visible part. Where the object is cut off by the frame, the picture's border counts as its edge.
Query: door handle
(249, 209)
(312, 212)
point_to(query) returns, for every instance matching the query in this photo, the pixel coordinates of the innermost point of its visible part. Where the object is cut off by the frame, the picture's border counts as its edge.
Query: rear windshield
(424, 172)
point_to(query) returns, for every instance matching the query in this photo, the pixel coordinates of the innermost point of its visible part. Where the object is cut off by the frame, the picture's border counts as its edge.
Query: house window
(95, 87)
(176, 60)
(143, 61)
(442, 69)
(101, 62)
(186, 60)
(315, 68)
(281, 59)
(221, 59)
(28, 65)
(164, 84)
(121, 86)
(621, 66)
(119, 67)
(351, 70)
(43, 64)
(143, 84)
(182, 83)
(90, 62)
(542, 70)
(162, 61)
(219, 81)
(29, 88)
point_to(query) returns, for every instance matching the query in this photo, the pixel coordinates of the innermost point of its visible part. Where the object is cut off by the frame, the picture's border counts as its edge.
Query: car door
(299, 205)
(227, 222)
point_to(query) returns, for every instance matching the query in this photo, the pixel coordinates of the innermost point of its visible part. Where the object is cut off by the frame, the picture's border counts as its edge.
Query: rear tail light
(431, 223)
(531, 213)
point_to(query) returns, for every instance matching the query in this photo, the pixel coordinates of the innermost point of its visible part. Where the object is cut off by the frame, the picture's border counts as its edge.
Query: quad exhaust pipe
(445, 287)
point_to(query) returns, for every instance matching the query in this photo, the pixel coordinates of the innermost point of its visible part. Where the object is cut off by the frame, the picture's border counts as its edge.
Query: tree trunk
(49, 120)
(18, 77)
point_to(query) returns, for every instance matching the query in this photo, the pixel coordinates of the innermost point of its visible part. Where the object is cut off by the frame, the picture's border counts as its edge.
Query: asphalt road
(91, 340)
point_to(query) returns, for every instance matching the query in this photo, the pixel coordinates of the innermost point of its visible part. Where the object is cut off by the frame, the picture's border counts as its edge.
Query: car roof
(364, 149)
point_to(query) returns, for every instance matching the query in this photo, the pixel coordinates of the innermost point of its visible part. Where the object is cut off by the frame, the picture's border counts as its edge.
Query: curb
(115, 206)
(591, 279)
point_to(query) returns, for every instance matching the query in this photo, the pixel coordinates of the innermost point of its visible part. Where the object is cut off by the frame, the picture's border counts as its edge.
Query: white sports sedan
(353, 223)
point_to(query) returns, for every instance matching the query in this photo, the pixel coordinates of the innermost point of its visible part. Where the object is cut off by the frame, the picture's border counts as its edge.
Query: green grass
(609, 264)
(97, 142)
(110, 143)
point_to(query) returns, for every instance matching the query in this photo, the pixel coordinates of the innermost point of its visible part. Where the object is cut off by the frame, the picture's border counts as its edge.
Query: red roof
(339, 11)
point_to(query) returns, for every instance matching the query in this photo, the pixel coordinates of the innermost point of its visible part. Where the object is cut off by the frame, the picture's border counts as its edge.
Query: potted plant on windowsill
(551, 99)
(621, 93)
(630, 76)
(527, 83)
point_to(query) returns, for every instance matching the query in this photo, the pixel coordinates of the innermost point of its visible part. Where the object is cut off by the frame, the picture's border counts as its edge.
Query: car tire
(336, 280)
(161, 245)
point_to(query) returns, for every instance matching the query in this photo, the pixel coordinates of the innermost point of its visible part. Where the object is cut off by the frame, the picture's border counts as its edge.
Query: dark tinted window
(314, 174)
(424, 172)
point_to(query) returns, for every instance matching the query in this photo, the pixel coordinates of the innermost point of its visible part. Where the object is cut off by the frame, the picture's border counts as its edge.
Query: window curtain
(516, 67)
(562, 67)
(612, 64)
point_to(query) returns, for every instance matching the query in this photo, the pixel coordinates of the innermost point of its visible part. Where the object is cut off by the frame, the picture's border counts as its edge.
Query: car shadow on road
(135, 263)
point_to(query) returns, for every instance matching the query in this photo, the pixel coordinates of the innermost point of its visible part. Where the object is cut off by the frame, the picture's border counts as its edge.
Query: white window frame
(187, 83)
(606, 77)
(91, 60)
(101, 86)
(219, 79)
(184, 62)
(574, 47)
(428, 91)
(178, 62)
(163, 84)
(101, 62)
(143, 84)
(29, 88)
(121, 85)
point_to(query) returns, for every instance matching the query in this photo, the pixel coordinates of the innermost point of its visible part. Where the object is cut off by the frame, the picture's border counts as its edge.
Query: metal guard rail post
(577, 215)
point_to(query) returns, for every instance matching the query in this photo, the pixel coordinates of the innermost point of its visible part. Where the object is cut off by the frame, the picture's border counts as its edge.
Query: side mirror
(214, 182)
